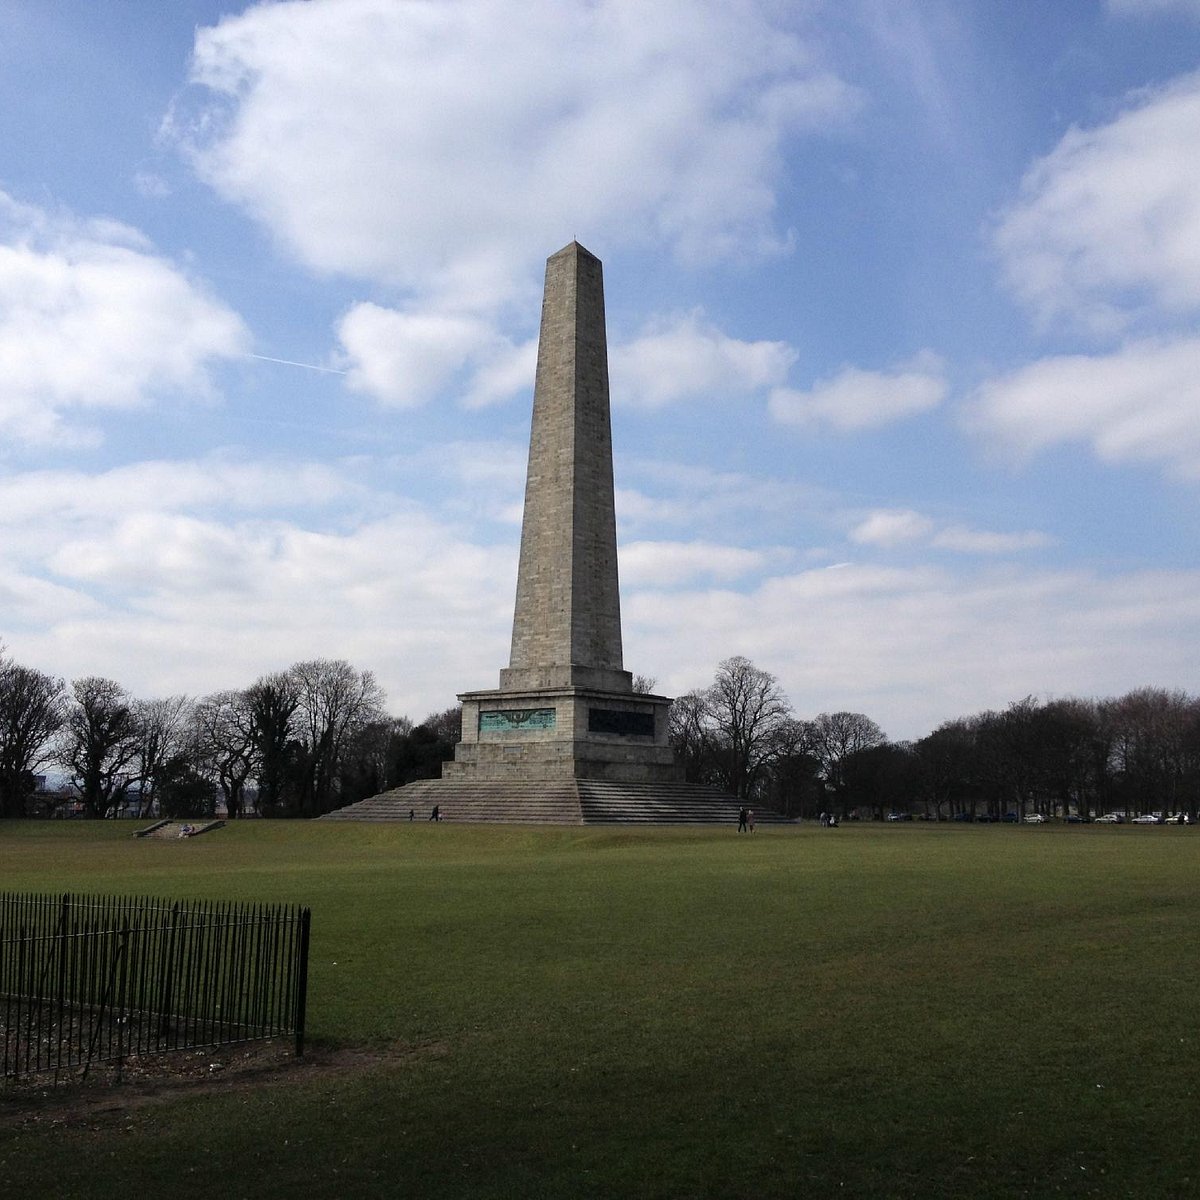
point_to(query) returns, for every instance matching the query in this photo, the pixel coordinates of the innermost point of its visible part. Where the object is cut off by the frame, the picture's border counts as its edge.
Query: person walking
(742, 816)
(750, 819)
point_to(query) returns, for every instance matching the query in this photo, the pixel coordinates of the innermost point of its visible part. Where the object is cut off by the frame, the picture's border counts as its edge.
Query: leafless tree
(835, 736)
(223, 728)
(335, 702)
(446, 725)
(690, 737)
(748, 722)
(99, 742)
(32, 707)
(164, 732)
(1153, 753)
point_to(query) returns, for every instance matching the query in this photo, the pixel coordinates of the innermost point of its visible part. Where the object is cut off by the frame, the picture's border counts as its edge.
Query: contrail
(287, 362)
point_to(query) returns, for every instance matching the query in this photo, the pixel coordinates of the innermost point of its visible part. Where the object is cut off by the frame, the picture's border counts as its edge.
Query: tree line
(314, 737)
(1137, 753)
(300, 742)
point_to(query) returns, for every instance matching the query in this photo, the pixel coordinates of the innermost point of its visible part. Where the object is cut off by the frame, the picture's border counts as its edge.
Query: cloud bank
(621, 121)
(92, 319)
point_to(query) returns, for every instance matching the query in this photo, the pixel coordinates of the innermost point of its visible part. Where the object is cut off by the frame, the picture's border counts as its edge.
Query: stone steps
(547, 803)
(552, 802)
(174, 829)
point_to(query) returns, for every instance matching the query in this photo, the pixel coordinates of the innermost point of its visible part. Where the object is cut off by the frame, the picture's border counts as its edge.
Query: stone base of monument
(552, 802)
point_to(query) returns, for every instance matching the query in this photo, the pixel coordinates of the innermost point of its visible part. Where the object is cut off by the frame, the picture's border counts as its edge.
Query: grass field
(907, 1011)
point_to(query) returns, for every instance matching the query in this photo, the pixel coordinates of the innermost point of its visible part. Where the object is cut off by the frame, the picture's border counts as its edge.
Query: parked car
(985, 819)
(1010, 819)
(899, 816)
(1074, 819)
(1110, 819)
(1035, 819)
(1147, 819)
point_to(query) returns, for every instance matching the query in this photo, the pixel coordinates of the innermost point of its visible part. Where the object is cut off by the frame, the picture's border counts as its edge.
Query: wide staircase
(552, 802)
(548, 803)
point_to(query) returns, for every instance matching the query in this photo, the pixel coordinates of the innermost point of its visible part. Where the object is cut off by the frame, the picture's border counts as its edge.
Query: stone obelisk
(565, 707)
(567, 623)
(564, 739)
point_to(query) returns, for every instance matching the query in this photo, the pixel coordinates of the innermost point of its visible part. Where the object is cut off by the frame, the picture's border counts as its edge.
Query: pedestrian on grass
(742, 819)
(436, 815)
(750, 819)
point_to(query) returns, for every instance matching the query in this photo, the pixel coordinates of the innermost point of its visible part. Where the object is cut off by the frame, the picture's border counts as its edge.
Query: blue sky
(904, 332)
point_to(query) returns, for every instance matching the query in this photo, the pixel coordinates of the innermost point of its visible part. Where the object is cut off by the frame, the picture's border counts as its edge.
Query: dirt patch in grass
(111, 1093)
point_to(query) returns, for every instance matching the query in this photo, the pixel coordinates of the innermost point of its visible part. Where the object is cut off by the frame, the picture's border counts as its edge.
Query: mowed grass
(676, 1012)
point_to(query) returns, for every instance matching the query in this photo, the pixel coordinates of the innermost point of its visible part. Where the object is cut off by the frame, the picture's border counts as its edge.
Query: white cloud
(217, 481)
(169, 601)
(91, 319)
(1139, 404)
(663, 564)
(345, 127)
(155, 551)
(1108, 223)
(190, 596)
(686, 358)
(913, 648)
(507, 371)
(891, 527)
(855, 399)
(405, 359)
(675, 496)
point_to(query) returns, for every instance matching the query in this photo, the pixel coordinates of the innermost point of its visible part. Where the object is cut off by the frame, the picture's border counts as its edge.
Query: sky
(903, 305)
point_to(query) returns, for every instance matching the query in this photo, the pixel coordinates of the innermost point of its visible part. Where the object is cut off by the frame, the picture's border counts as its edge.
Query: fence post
(302, 980)
(166, 974)
(119, 948)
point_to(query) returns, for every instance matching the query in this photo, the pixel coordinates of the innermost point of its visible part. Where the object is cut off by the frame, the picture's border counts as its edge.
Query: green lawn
(920, 1011)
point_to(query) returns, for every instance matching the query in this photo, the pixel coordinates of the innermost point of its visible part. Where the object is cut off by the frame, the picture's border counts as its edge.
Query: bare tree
(164, 733)
(1151, 748)
(836, 736)
(445, 725)
(32, 707)
(223, 728)
(99, 743)
(689, 736)
(747, 720)
(794, 786)
(335, 702)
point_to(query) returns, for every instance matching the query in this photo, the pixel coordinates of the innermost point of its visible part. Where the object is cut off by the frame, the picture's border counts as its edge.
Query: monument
(564, 737)
(565, 707)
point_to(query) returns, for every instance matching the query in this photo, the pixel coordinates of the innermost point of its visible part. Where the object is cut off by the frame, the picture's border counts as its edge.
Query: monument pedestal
(563, 733)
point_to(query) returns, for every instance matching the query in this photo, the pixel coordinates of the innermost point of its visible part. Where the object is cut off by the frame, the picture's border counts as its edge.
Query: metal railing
(92, 979)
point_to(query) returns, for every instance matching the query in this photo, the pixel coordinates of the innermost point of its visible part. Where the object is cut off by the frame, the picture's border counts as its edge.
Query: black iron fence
(91, 979)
